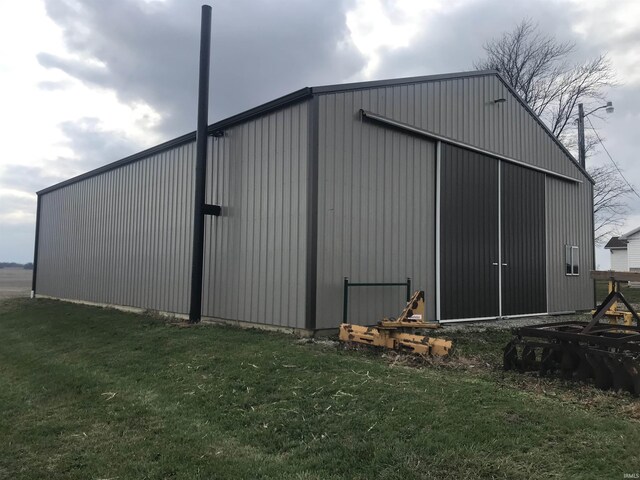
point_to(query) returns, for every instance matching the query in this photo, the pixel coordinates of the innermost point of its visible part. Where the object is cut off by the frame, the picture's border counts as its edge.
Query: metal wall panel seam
(286, 297)
(248, 142)
(113, 261)
(593, 243)
(157, 218)
(223, 223)
(127, 227)
(278, 227)
(105, 271)
(131, 227)
(142, 213)
(437, 229)
(289, 296)
(117, 245)
(269, 222)
(255, 225)
(499, 241)
(180, 244)
(175, 279)
(313, 154)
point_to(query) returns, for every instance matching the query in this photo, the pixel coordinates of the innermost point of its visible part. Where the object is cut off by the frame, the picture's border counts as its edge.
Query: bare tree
(538, 67)
(609, 202)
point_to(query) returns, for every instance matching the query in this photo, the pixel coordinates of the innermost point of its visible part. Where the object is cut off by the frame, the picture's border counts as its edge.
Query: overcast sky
(87, 82)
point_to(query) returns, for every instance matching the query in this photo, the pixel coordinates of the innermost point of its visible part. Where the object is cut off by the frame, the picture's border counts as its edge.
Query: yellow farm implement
(397, 333)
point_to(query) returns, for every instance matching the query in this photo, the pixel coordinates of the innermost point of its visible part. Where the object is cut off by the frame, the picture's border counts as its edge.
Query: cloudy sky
(86, 82)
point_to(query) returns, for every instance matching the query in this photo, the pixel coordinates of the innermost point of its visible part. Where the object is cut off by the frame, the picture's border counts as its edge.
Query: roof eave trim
(442, 138)
(345, 87)
(629, 234)
(176, 142)
(280, 102)
(294, 97)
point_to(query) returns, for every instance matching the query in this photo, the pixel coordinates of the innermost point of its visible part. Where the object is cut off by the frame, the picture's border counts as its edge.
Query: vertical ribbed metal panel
(122, 237)
(255, 253)
(376, 208)
(522, 222)
(468, 234)
(569, 222)
(464, 109)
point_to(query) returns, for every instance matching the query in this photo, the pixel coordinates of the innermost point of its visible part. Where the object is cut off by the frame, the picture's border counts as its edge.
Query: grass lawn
(94, 393)
(631, 294)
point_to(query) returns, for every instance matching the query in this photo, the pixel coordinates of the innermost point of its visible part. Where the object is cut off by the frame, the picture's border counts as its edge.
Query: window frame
(571, 260)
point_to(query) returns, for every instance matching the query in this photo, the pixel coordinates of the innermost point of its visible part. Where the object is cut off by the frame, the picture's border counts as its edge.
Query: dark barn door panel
(524, 288)
(468, 234)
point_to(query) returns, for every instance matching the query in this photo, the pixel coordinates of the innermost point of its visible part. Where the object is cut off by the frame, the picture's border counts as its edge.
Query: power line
(612, 160)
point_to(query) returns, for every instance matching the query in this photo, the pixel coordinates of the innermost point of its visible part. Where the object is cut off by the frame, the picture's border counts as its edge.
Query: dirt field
(15, 282)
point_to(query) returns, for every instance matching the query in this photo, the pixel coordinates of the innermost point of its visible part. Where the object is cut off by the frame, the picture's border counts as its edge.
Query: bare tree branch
(540, 70)
(610, 195)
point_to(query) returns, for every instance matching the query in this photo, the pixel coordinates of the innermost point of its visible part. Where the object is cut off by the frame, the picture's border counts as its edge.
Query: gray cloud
(149, 52)
(26, 179)
(16, 237)
(452, 39)
(10, 203)
(92, 147)
(262, 49)
(76, 68)
(16, 242)
(53, 86)
(619, 132)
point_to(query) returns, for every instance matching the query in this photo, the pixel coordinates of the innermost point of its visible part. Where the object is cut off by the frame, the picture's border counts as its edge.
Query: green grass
(631, 294)
(95, 393)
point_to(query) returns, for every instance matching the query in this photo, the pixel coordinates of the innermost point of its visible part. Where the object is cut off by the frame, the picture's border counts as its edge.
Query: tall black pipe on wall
(195, 309)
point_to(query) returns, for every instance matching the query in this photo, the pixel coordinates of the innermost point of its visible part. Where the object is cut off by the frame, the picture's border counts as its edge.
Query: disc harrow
(607, 355)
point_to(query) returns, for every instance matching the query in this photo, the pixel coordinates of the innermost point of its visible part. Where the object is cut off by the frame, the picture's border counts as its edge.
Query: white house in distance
(619, 249)
(625, 252)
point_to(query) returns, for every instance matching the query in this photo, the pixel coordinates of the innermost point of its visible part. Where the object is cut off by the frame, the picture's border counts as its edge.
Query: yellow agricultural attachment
(613, 315)
(394, 333)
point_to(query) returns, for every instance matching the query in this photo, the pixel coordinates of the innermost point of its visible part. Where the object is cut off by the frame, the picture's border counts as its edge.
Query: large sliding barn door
(524, 283)
(468, 234)
(492, 237)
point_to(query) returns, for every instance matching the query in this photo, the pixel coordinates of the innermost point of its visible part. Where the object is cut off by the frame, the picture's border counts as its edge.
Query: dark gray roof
(615, 243)
(301, 95)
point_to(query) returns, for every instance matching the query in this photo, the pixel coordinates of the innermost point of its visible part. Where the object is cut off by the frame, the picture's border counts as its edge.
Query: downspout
(195, 309)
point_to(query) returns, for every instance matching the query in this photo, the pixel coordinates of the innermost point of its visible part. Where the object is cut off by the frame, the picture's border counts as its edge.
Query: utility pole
(581, 159)
(581, 148)
(581, 116)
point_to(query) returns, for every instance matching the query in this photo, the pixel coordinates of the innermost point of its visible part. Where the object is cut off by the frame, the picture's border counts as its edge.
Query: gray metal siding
(569, 221)
(376, 212)
(255, 253)
(464, 110)
(122, 237)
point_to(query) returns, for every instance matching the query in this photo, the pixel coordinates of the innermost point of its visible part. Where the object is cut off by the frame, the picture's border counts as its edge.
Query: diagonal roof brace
(435, 136)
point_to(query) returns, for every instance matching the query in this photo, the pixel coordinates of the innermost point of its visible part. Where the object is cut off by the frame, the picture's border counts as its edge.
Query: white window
(572, 260)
